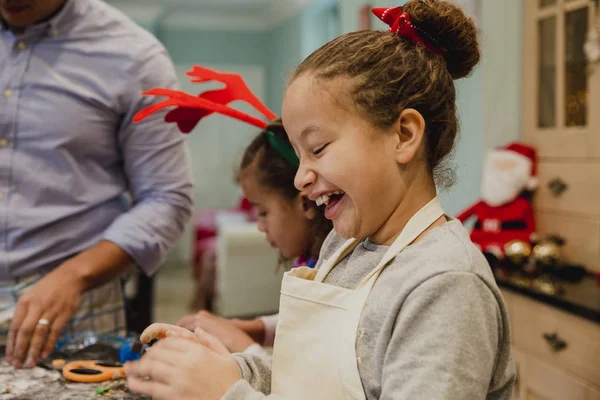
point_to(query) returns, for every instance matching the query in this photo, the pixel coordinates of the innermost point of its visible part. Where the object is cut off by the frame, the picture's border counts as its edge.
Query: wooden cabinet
(558, 354)
(547, 370)
(561, 118)
(560, 90)
(558, 338)
(541, 381)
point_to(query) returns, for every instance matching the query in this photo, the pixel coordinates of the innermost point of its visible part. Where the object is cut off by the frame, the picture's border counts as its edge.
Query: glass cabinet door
(560, 89)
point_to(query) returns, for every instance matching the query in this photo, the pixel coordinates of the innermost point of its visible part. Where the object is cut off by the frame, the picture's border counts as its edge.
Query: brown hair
(390, 73)
(277, 174)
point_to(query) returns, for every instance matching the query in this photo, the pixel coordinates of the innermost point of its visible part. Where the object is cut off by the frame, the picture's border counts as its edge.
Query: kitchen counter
(44, 384)
(581, 298)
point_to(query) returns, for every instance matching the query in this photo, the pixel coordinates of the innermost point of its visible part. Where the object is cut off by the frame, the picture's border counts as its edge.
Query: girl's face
(286, 223)
(356, 167)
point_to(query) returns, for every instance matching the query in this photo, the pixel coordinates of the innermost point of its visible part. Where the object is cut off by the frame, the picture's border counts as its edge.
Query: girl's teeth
(323, 199)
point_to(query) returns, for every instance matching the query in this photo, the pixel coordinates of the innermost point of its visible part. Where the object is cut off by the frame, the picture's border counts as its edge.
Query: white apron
(314, 355)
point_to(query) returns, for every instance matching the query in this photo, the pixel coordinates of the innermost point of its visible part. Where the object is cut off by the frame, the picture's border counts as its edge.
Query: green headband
(283, 148)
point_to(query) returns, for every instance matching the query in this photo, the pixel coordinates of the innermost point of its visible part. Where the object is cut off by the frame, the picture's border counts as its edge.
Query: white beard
(501, 186)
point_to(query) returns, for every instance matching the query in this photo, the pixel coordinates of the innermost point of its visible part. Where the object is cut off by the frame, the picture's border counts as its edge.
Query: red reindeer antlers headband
(191, 109)
(400, 23)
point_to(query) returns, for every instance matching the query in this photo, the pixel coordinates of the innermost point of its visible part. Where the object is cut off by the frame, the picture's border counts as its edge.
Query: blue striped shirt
(74, 170)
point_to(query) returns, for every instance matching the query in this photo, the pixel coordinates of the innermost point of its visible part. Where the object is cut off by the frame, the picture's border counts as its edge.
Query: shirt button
(358, 359)
(3, 142)
(8, 93)
(1, 195)
(53, 32)
(21, 46)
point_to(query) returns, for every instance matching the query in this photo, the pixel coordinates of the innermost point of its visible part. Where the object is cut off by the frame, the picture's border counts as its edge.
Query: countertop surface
(581, 298)
(42, 384)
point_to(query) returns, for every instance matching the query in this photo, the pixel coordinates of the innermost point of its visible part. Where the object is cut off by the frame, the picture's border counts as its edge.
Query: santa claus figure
(504, 213)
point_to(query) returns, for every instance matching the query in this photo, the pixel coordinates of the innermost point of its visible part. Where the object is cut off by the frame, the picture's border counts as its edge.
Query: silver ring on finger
(43, 321)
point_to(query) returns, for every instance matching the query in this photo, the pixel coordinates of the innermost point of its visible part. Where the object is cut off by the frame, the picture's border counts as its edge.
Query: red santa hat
(528, 153)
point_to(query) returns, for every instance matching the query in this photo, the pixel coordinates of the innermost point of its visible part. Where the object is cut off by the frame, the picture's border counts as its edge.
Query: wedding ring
(43, 321)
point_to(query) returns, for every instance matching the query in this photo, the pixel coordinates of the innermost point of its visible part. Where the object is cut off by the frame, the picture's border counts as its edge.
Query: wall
(285, 48)
(349, 14)
(197, 46)
(469, 154)
(293, 40)
(502, 63)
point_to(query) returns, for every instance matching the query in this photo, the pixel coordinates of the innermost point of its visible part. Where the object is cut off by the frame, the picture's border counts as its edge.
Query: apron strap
(328, 264)
(417, 224)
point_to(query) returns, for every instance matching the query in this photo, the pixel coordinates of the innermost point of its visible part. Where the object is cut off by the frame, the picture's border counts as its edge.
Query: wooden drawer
(582, 237)
(530, 320)
(582, 195)
(539, 381)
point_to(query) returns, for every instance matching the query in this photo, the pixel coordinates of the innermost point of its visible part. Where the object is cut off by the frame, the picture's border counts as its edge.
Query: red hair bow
(400, 23)
(191, 109)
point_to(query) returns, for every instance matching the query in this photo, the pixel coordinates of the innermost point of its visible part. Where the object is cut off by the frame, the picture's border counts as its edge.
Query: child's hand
(232, 336)
(162, 331)
(179, 368)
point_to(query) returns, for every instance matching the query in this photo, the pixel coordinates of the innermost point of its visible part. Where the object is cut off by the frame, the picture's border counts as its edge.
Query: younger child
(291, 223)
(409, 308)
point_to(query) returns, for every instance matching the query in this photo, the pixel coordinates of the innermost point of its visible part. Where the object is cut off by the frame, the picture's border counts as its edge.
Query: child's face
(285, 223)
(340, 151)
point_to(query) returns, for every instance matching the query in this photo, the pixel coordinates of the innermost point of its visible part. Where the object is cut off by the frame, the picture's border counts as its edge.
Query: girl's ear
(309, 212)
(410, 128)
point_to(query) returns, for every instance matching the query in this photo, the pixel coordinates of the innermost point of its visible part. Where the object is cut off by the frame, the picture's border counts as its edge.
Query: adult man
(71, 77)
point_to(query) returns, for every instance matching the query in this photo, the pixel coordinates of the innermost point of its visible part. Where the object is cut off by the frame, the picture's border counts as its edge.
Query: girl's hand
(233, 336)
(179, 368)
(162, 331)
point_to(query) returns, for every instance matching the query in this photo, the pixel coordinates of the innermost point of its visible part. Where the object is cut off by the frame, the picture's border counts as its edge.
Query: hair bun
(448, 24)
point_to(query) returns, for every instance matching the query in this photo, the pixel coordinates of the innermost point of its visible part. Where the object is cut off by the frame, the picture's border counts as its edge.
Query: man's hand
(54, 299)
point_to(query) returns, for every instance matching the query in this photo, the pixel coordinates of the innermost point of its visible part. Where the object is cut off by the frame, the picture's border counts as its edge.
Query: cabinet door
(540, 381)
(532, 322)
(582, 234)
(560, 89)
(593, 393)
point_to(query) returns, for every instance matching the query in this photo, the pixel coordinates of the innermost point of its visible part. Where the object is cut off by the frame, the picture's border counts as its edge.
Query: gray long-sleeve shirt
(434, 326)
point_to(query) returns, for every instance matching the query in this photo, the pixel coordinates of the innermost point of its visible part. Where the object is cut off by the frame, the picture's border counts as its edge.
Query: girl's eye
(320, 149)
(262, 214)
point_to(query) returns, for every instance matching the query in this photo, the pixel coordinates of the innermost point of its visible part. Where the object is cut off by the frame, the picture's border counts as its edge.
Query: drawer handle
(557, 186)
(555, 342)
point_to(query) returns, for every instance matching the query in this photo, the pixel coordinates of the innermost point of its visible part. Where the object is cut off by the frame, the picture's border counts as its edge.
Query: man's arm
(157, 167)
